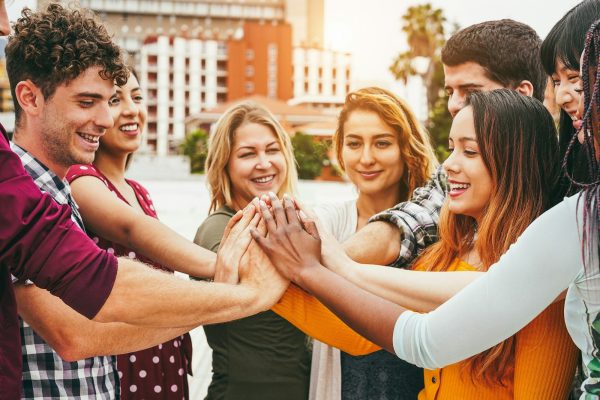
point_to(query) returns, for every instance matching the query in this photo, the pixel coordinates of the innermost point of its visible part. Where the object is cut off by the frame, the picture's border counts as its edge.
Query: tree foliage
(195, 146)
(425, 31)
(310, 155)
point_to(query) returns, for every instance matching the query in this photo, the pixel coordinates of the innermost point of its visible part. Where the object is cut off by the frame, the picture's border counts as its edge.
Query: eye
(138, 98)
(470, 152)
(86, 103)
(246, 154)
(273, 150)
(114, 101)
(449, 91)
(383, 144)
(353, 144)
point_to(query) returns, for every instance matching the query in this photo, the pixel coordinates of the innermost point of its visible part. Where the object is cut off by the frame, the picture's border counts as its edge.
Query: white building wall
(310, 87)
(179, 73)
(162, 96)
(143, 74)
(195, 76)
(210, 87)
(178, 102)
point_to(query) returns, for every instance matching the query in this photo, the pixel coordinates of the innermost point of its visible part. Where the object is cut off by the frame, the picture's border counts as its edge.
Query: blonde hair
(415, 148)
(221, 142)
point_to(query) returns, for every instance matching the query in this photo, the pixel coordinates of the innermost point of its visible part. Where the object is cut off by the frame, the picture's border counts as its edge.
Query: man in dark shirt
(39, 242)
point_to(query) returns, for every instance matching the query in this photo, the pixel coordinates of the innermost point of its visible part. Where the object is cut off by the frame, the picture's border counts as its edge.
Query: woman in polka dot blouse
(114, 209)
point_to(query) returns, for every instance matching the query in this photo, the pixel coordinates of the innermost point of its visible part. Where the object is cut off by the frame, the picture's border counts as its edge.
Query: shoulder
(339, 218)
(141, 189)
(210, 231)
(77, 171)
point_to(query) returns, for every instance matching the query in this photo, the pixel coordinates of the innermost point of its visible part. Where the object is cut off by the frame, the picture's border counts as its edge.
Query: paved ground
(182, 202)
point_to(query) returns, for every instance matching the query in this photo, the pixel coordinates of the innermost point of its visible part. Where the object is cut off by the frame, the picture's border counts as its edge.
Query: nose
(104, 119)
(263, 161)
(4, 23)
(366, 156)
(562, 95)
(455, 103)
(450, 165)
(129, 107)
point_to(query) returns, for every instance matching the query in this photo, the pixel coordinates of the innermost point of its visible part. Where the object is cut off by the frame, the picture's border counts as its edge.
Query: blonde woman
(262, 356)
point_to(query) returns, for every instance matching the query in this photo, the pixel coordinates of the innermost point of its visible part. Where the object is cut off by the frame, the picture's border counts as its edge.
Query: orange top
(310, 316)
(544, 364)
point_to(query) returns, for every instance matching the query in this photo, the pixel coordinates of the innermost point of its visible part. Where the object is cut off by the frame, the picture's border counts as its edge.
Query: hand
(290, 247)
(234, 244)
(258, 273)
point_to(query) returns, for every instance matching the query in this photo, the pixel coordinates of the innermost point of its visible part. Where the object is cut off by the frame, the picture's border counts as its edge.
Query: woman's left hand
(234, 244)
(290, 247)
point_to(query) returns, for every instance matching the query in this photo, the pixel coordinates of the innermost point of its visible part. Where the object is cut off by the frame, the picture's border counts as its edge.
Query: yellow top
(543, 368)
(310, 316)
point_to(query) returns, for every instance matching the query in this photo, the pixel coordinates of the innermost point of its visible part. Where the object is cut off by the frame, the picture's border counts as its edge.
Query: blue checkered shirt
(417, 219)
(45, 374)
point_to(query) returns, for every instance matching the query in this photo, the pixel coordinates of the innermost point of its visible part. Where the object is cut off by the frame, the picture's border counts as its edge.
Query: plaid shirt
(417, 219)
(45, 374)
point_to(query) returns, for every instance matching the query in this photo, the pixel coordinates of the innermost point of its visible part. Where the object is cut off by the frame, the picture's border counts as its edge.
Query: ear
(30, 97)
(525, 87)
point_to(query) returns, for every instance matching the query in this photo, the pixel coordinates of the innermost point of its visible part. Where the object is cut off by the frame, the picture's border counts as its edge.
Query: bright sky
(371, 30)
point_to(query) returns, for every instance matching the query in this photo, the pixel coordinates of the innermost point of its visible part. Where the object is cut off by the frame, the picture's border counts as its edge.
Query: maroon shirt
(40, 242)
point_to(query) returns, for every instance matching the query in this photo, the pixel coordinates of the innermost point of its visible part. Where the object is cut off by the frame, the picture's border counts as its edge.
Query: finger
(238, 215)
(280, 216)
(266, 199)
(244, 238)
(261, 241)
(309, 225)
(262, 227)
(290, 209)
(268, 217)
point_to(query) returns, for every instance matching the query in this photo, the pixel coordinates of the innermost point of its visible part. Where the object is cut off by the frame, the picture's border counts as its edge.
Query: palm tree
(425, 31)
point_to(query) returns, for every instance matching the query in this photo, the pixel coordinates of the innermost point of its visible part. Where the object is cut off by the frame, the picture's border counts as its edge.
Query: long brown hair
(415, 148)
(519, 147)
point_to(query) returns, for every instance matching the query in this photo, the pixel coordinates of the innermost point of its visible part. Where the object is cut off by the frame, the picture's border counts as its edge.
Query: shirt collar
(45, 179)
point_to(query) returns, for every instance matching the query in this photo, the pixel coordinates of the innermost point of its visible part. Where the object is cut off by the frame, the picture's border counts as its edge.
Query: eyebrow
(465, 86)
(90, 95)
(465, 139)
(377, 136)
(253, 147)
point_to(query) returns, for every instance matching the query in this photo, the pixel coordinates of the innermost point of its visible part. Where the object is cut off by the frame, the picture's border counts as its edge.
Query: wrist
(306, 275)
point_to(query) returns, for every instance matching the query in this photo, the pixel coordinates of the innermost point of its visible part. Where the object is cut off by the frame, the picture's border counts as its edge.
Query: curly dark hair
(55, 46)
(508, 51)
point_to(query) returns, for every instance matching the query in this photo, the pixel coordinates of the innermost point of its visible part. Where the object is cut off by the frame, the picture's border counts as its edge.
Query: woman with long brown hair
(502, 173)
(386, 154)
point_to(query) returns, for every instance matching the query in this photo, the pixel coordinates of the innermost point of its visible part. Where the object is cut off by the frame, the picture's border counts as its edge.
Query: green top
(260, 357)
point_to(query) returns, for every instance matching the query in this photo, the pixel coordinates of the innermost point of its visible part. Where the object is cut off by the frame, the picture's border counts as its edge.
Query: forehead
(252, 134)
(89, 81)
(468, 74)
(463, 125)
(360, 120)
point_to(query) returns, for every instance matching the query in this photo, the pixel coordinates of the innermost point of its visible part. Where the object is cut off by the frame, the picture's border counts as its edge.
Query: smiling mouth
(264, 179)
(129, 127)
(458, 188)
(369, 174)
(89, 138)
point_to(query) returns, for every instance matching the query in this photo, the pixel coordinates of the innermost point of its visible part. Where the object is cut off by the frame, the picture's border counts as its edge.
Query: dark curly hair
(508, 51)
(55, 46)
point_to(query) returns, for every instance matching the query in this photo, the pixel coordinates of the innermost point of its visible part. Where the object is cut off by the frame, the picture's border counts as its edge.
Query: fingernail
(286, 196)
(302, 215)
(263, 204)
(272, 194)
